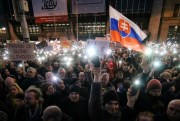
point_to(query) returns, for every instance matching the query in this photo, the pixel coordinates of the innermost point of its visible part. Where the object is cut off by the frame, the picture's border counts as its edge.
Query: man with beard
(32, 109)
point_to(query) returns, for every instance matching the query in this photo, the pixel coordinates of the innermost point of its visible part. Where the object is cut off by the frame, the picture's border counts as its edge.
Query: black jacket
(97, 113)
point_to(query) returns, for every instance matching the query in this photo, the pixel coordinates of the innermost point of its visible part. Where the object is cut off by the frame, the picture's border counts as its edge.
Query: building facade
(160, 19)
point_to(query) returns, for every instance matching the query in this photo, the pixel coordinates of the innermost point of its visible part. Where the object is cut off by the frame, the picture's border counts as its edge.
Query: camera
(95, 61)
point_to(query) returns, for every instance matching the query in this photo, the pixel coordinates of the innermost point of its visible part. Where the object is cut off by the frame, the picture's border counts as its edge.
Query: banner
(49, 11)
(88, 6)
(21, 51)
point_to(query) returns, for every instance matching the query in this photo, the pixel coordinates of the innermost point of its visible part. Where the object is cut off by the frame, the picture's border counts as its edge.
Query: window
(174, 33)
(176, 10)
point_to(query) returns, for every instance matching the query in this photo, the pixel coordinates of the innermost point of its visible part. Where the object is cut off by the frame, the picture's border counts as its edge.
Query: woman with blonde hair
(14, 89)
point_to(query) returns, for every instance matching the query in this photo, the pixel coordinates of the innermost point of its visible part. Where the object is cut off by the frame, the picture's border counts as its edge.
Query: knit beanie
(3, 116)
(110, 96)
(74, 88)
(153, 84)
(44, 86)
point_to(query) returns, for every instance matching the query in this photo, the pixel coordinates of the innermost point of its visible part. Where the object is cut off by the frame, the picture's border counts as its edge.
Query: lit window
(176, 10)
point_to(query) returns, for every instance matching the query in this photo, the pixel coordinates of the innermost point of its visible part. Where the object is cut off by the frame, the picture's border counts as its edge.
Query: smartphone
(135, 87)
(96, 61)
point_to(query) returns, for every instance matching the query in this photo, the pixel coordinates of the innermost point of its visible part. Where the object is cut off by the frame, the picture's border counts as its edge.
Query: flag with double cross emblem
(124, 31)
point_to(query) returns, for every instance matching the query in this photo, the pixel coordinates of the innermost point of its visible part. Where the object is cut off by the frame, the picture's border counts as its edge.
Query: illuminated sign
(49, 11)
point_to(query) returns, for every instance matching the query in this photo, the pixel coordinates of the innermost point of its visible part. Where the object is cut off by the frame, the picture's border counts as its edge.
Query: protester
(172, 113)
(145, 116)
(74, 105)
(32, 109)
(32, 78)
(111, 110)
(54, 113)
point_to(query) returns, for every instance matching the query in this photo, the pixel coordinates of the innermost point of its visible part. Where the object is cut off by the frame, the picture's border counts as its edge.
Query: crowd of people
(83, 92)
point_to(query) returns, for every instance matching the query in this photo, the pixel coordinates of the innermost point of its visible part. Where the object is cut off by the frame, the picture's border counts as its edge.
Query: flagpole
(77, 21)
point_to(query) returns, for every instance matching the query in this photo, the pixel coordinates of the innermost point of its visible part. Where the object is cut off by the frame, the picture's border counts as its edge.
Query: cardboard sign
(21, 51)
(100, 46)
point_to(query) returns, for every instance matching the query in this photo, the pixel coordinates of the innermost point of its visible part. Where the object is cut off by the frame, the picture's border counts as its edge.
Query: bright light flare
(20, 65)
(5, 58)
(91, 52)
(157, 63)
(148, 51)
(68, 63)
(136, 82)
(109, 51)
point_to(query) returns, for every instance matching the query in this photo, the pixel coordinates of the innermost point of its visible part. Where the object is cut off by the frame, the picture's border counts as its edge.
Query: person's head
(74, 93)
(125, 66)
(55, 64)
(7, 72)
(47, 88)
(12, 65)
(103, 71)
(104, 79)
(20, 70)
(9, 81)
(145, 64)
(165, 75)
(119, 74)
(82, 76)
(49, 68)
(33, 97)
(111, 102)
(61, 85)
(69, 68)
(52, 113)
(173, 110)
(145, 116)
(80, 68)
(49, 76)
(19, 99)
(154, 88)
(31, 72)
(15, 89)
(62, 73)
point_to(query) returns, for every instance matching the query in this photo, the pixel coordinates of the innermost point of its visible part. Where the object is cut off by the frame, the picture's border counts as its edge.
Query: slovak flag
(125, 31)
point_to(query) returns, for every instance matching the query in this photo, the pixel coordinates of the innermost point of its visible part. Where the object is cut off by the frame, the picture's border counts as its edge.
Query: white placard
(101, 46)
(21, 51)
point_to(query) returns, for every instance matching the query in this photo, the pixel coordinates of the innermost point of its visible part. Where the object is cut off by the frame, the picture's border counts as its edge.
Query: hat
(3, 116)
(44, 86)
(110, 96)
(153, 84)
(74, 88)
(20, 96)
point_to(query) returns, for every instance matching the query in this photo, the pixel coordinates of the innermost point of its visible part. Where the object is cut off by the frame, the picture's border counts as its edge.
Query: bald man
(54, 113)
(172, 112)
